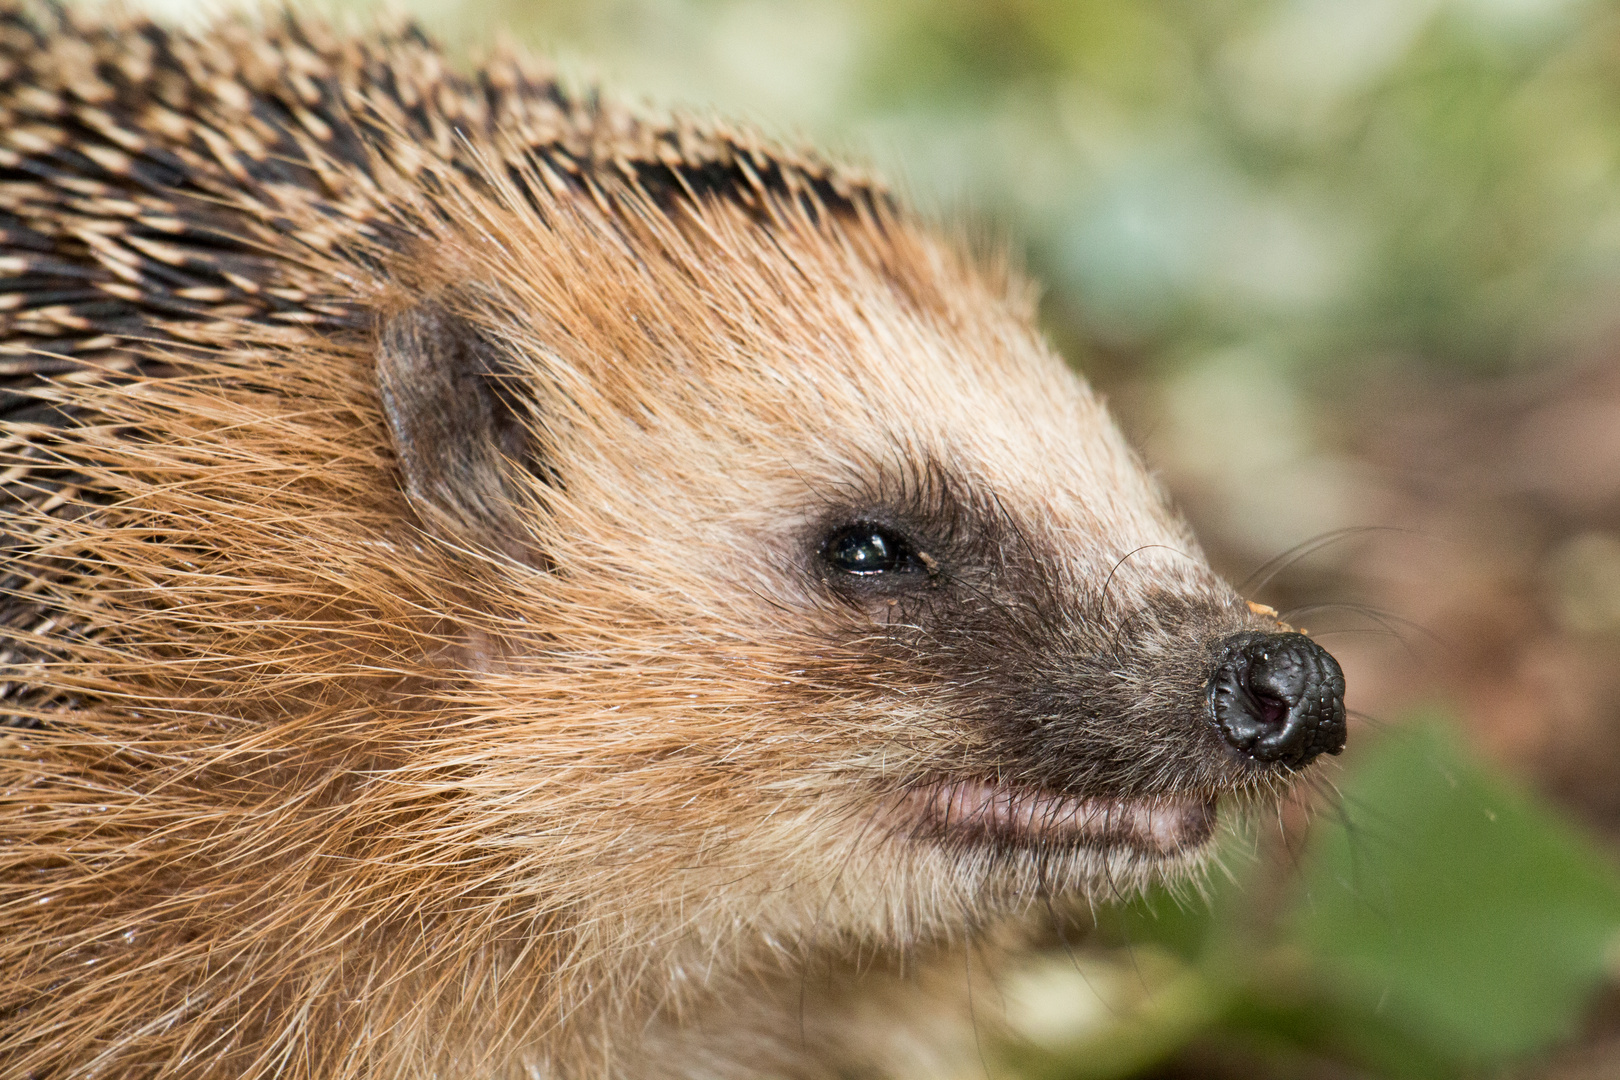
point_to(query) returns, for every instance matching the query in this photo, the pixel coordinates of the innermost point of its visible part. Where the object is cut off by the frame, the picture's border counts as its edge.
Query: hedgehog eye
(868, 549)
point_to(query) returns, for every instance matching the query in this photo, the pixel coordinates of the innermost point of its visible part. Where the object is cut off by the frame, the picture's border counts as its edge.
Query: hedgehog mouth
(1160, 825)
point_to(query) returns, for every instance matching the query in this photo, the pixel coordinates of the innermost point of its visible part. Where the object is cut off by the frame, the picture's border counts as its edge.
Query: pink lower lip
(1162, 825)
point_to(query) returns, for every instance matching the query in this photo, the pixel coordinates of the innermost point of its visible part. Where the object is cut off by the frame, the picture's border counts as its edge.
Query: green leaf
(1462, 909)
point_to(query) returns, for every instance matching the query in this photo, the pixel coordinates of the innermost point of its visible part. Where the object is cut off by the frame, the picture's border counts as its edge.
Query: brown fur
(417, 657)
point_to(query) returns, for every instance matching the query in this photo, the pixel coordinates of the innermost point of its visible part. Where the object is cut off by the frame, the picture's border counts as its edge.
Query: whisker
(1385, 619)
(1068, 949)
(973, 1016)
(1341, 632)
(1269, 569)
(1102, 598)
(1370, 720)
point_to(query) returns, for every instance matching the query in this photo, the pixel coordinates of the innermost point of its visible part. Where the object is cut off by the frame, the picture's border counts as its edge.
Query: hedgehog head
(783, 544)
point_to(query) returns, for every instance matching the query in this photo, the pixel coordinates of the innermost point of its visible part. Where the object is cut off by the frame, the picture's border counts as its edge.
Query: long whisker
(1278, 563)
(1387, 620)
(1074, 958)
(1123, 559)
(1367, 718)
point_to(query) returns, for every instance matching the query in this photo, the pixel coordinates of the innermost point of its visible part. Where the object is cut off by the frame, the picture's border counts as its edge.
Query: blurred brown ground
(1486, 581)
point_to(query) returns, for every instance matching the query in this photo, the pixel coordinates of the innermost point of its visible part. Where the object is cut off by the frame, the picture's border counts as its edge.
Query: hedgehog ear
(454, 424)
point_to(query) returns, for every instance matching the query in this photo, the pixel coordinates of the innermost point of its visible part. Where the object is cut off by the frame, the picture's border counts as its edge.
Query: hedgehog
(502, 584)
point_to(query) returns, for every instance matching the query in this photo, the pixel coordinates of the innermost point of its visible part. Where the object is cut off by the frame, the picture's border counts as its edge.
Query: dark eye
(868, 549)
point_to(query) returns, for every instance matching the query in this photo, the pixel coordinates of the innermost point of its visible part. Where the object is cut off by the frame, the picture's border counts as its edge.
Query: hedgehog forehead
(779, 366)
(746, 331)
(710, 299)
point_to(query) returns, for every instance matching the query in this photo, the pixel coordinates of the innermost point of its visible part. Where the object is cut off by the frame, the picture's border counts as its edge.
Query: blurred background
(1349, 272)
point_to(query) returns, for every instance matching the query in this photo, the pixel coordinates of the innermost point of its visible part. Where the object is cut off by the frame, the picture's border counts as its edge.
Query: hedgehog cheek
(453, 429)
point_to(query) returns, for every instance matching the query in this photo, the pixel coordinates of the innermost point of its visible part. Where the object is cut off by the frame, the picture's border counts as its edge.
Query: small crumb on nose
(1263, 610)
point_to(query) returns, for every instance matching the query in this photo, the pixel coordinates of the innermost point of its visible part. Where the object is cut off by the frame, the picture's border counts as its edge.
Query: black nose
(1278, 697)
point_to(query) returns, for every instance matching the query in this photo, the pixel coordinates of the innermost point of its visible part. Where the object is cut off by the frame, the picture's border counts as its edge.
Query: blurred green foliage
(1481, 916)
(1336, 182)
(1441, 923)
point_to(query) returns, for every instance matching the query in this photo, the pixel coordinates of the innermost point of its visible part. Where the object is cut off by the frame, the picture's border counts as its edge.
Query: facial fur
(423, 651)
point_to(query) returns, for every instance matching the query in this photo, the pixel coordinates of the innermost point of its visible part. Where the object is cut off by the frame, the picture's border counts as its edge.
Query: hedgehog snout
(1278, 698)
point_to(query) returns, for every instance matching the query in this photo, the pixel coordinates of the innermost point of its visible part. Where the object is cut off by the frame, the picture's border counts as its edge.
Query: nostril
(1271, 711)
(1278, 698)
